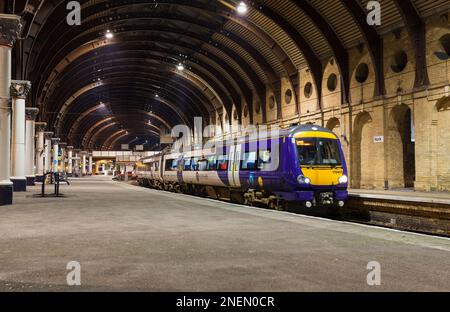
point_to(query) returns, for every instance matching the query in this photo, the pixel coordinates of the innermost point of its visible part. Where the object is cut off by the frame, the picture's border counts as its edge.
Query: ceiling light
(242, 8)
(109, 34)
(180, 67)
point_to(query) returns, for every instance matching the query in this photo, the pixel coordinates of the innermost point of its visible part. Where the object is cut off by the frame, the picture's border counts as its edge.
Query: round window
(362, 72)
(399, 61)
(308, 90)
(445, 43)
(272, 102)
(332, 82)
(288, 96)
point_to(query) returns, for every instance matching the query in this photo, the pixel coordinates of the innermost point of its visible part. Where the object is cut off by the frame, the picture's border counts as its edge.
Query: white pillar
(90, 165)
(55, 163)
(40, 151)
(83, 163)
(30, 144)
(19, 91)
(63, 147)
(104, 169)
(47, 152)
(10, 27)
(70, 159)
(77, 163)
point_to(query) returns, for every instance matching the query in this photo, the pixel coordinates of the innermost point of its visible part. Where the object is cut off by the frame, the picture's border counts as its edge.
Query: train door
(234, 165)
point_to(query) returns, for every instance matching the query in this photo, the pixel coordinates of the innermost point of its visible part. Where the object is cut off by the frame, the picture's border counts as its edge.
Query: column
(125, 172)
(40, 151)
(77, 163)
(55, 144)
(10, 28)
(83, 163)
(104, 169)
(47, 152)
(90, 165)
(63, 147)
(70, 159)
(30, 144)
(19, 91)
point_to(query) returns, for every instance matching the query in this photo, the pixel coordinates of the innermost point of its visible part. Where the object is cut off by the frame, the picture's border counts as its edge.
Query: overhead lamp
(109, 34)
(156, 95)
(180, 67)
(242, 8)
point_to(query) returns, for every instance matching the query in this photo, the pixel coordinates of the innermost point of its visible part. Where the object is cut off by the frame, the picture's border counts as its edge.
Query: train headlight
(303, 180)
(343, 179)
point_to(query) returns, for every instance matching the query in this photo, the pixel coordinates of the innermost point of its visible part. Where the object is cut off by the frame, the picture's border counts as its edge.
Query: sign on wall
(378, 139)
(125, 147)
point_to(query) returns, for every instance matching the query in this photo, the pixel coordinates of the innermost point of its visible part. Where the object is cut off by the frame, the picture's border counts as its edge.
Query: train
(302, 165)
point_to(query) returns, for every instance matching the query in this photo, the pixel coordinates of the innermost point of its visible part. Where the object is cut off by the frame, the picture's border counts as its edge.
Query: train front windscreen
(318, 152)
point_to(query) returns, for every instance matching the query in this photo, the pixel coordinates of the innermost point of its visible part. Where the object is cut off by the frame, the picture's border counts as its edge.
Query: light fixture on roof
(109, 34)
(180, 67)
(242, 8)
(156, 95)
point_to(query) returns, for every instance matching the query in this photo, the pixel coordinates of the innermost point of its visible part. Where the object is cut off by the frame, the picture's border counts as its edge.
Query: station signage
(378, 139)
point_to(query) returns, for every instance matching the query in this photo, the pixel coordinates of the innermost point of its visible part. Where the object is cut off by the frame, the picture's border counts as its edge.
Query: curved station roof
(135, 66)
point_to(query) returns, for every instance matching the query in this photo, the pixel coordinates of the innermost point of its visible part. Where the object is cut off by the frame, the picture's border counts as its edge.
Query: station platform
(403, 195)
(131, 238)
(405, 209)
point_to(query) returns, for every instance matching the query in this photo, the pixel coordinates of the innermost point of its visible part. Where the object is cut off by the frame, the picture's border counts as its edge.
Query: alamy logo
(74, 276)
(74, 15)
(374, 276)
(374, 15)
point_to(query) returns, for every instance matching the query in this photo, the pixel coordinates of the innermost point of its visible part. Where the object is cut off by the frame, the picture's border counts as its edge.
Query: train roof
(306, 128)
(290, 131)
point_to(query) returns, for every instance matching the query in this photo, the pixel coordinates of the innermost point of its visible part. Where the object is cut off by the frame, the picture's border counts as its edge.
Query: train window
(249, 161)
(264, 159)
(194, 164)
(202, 165)
(318, 151)
(187, 165)
(169, 164)
(212, 163)
(174, 166)
(157, 166)
(222, 163)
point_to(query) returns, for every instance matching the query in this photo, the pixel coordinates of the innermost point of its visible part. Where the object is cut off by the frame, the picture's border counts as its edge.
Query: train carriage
(303, 164)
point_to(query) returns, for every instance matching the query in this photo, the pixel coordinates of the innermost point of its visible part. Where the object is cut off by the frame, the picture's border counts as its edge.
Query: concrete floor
(131, 238)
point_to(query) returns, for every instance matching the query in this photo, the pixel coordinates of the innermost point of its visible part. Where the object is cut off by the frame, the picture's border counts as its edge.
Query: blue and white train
(303, 164)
